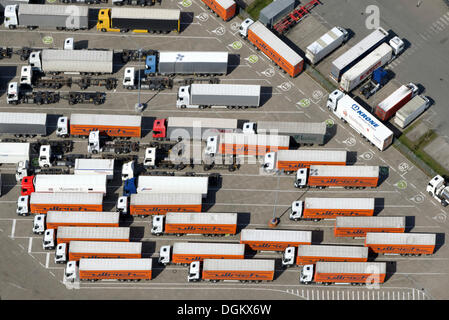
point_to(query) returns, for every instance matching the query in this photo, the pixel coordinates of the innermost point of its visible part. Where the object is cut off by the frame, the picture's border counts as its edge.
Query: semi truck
(380, 57)
(54, 61)
(327, 43)
(338, 176)
(274, 240)
(349, 58)
(108, 269)
(41, 203)
(145, 204)
(95, 166)
(357, 273)
(113, 234)
(11, 152)
(411, 111)
(304, 133)
(244, 270)
(20, 124)
(225, 9)
(395, 101)
(266, 41)
(290, 161)
(231, 96)
(140, 20)
(56, 183)
(187, 62)
(33, 16)
(365, 124)
(205, 223)
(246, 144)
(103, 249)
(405, 244)
(108, 124)
(311, 254)
(191, 128)
(186, 252)
(360, 226)
(331, 208)
(55, 219)
(438, 189)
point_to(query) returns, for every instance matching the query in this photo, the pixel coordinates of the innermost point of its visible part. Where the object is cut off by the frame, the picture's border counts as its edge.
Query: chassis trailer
(290, 161)
(218, 95)
(111, 269)
(23, 124)
(11, 152)
(331, 208)
(401, 243)
(311, 254)
(343, 273)
(360, 226)
(244, 270)
(206, 223)
(141, 20)
(274, 240)
(304, 133)
(186, 252)
(46, 16)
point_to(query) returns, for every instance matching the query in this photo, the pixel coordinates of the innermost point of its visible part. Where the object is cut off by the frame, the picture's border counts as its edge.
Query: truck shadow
(243, 220)
(136, 233)
(186, 20)
(81, 44)
(233, 62)
(440, 239)
(384, 172)
(351, 159)
(265, 95)
(110, 201)
(157, 268)
(8, 73)
(409, 223)
(147, 125)
(379, 205)
(390, 269)
(215, 183)
(52, 121)
(317, 236)
(8, 182)
(279, 269)
(93, 17)
(331, 131)
(148, 248)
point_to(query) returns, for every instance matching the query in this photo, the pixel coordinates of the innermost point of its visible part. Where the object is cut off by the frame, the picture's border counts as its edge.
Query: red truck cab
(27, 186)
(159, 129)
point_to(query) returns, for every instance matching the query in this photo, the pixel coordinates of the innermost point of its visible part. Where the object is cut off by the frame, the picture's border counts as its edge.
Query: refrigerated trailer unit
(346, 109)
(189, 62)
(111, 125)
(327, 43)
(274, 240)
(57, 183)
(140, 20)
(104, 249)
(277, 50)
(11, 152)
(338, 176)
(411, 111)
(225, 9)
(245, 270)
(304, 133)
(173, 184)
(145, 204)
(207, 223)
(67, 234)
(395, 101)
(357, 52)
(95, 167)
(331, 208)
(290, 161)
(55, 219)
(46, 16)
(202, 96)
(360, 226)
(401, 243)
(23, 124)
(311, 254)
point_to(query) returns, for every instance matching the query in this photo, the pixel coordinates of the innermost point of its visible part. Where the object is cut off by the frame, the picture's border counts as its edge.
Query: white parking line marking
(30, 244)
(47, 260)
(13, 228)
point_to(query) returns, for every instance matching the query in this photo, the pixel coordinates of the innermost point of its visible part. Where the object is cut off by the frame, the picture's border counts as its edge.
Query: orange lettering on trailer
(238, 275)
(272, 246)
(120, 274)
(162, 209)
(403, 248)
(67, 240)
(77, 224)
(44, 208)
(201, 229)
(187, 258)
(312, 260)
(349, 277)
(343, 181)
(361, 232)
(78, 255)
(295, 165)
(333, 213)
(113, 131)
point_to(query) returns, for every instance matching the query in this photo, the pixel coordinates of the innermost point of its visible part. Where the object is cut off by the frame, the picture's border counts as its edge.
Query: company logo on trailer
(364, 116)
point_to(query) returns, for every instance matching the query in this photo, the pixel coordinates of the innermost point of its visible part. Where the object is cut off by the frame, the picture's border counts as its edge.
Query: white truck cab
(11, 20)
(69, 44)
(35, 61)
(45, 156)
(288, 257)
(93, 144)
(301, 178)
(269, 162)
(62, 129)
(13, 93)
(333, 99)
(194, 271)
(397, 45)
(296, 210)
(22, 170)
(26, 75)
(128, 170)
(438, 189)
(243, 29)
(49, 239)
(183, 99)
(149, 160)
(211, 146)
(122, 205)
(306, 275)
(158, 225)
(39, 224)
(61, 253)
(22, 206)
(164, 255)
(249, 127)
(129, 78)
(71, 272)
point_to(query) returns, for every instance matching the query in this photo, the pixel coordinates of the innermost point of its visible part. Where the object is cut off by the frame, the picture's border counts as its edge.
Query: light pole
(139, 106)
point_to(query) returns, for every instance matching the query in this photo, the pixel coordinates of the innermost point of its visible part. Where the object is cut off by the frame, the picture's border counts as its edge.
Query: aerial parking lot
(261, 198)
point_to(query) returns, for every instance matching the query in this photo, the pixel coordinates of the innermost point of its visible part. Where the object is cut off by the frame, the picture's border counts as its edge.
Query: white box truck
(172, 184)
(411, 111)
(327, 43)
(11, 152)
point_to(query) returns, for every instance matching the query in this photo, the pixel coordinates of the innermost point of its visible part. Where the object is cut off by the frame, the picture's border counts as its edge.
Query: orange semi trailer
(274, 240)
(311, 254)
(110, 125)
(266, 41)
(360, 226)
(57, 219)
(225, 9)
(145, 204)
(401, 243)
(67, 234)
(104, 249)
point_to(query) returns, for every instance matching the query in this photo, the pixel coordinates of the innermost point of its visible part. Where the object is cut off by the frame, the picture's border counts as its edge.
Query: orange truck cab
(27, 186)
(160, 129)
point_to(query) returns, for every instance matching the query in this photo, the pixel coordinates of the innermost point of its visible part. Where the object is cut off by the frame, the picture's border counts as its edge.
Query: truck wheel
(94, 151)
